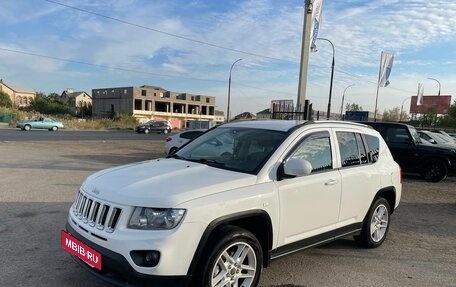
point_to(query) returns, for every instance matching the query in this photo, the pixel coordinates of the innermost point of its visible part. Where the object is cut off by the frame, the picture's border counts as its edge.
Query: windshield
(238, 149)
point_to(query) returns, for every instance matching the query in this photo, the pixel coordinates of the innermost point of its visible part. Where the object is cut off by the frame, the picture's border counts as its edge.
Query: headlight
(155, 218)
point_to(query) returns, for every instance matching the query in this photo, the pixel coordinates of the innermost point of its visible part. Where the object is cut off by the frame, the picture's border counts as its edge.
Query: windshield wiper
(176, 156)
(209, 162)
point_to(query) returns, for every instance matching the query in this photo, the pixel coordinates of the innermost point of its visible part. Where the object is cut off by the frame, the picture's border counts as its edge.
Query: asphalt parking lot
(39, 179)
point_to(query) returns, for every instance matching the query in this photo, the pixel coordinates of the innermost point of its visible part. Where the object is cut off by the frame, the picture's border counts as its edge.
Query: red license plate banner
(81, 250)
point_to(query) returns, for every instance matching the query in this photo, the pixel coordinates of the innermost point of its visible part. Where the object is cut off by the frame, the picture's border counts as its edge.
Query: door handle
(331, 182)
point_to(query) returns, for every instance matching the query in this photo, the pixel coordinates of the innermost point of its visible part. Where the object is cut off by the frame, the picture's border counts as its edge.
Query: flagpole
(378, 85)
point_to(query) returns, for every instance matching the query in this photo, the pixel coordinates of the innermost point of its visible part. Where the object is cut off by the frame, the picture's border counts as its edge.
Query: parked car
(433, 161)
(436, 138)
(175, 141)
(40, 123)
(445, 135)
(153, 126)
(196, 220)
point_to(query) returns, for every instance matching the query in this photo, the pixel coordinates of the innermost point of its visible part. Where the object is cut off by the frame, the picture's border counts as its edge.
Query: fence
(5, 117)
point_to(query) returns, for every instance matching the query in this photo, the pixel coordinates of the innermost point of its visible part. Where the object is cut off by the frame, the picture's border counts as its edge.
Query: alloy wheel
(379, 223)
(236, 266)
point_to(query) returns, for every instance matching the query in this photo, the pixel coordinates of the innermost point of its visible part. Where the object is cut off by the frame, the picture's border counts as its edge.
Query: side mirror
(297, 167)
(432, 141)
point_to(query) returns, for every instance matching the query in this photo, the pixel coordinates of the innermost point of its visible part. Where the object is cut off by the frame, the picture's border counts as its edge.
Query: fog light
(145, 258)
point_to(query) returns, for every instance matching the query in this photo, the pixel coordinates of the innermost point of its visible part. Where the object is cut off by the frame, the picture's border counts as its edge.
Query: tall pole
(343, 97)
(229, 92)
(437, 82)
(378, 86)
(305, 50)
(328, 112)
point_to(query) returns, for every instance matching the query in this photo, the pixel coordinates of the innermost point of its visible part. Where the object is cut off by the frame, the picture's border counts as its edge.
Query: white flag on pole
(316, 15)
(386, 64)
(419, 95)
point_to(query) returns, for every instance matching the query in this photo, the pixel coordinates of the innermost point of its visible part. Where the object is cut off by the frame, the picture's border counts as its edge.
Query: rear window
(397, 135)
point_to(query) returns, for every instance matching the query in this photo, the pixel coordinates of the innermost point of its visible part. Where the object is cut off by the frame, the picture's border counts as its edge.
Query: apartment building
(153, 103)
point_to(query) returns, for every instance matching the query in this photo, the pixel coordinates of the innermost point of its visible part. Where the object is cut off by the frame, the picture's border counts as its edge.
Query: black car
(153, 126)
(433, 161)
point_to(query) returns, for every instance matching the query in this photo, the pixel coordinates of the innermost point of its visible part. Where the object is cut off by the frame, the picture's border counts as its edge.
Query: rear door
(359, 177)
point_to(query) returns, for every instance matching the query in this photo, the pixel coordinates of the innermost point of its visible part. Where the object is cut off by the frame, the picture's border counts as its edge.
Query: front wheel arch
(229, 240)
(258, 222)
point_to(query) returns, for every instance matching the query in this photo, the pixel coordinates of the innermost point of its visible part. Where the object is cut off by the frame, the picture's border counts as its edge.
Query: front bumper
(140, 129)
(117, 271)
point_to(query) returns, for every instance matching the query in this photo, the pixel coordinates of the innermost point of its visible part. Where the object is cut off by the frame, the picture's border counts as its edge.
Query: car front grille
(95, 213)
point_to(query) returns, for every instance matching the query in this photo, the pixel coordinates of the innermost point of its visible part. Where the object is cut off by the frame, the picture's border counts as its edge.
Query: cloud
(359, 29)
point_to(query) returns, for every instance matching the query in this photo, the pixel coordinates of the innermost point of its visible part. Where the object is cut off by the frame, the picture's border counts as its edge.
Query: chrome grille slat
(102, 218)
(95, 213)
(112, 219)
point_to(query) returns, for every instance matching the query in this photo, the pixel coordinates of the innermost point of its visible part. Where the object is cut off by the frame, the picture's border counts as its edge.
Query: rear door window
(351, 147)
(373, 145)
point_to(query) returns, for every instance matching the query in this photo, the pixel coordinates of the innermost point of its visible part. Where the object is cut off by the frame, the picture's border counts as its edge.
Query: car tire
(54, 129)
(146, 131)
(27, 127)
(165, 131)
(375, 225)
(434, 170)
(236, 253)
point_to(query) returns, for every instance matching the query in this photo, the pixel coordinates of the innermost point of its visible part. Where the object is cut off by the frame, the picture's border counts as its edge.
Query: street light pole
(343, 97)
(229, 92)
(332, 77)
(437, 82)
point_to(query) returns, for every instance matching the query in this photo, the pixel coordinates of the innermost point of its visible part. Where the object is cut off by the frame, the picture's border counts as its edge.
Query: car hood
(162, 183)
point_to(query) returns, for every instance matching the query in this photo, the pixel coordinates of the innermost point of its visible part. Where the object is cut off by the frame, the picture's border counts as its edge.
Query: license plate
(87, 254)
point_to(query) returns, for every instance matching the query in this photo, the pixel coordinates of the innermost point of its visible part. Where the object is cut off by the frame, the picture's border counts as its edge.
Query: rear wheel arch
(257, 222)
(388, 193)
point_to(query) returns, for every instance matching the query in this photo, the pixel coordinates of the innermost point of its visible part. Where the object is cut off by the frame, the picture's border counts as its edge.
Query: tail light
(168, 139)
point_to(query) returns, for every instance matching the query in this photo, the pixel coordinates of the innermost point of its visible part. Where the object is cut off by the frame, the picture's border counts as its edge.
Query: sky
(189, 46)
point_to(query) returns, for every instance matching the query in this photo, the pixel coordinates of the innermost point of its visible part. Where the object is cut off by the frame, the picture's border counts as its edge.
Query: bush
(119, 121)
(5, 100)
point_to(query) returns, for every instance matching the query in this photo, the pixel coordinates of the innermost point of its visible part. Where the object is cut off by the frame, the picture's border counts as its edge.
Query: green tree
(394, 115)
(50, 105)
(5, 100)
(353, 107)
(449, 120)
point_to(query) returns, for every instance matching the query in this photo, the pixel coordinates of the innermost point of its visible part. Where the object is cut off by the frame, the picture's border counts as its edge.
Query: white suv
(196, 219)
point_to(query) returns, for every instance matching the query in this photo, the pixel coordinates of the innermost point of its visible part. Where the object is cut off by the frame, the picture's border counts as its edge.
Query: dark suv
(153, 126)
(433, 161)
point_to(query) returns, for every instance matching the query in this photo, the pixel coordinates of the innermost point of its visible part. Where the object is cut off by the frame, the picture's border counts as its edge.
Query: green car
(40, 123)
